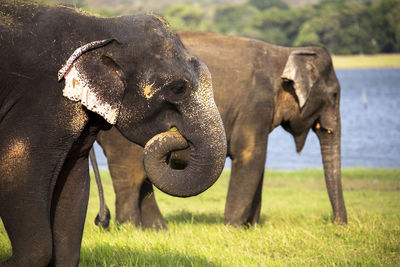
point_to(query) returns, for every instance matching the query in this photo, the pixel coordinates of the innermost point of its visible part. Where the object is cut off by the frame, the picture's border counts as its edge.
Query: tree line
(342, 26)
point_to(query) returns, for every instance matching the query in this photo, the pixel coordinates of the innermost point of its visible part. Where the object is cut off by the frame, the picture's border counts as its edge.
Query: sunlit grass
(295, 226)
(366, 61)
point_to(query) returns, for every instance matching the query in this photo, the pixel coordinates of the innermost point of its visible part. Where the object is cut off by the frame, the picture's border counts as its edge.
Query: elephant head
(144, 82)
(309, 76)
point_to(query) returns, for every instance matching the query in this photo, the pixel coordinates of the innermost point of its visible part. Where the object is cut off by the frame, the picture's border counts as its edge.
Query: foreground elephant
(131, 72)
(257, 87)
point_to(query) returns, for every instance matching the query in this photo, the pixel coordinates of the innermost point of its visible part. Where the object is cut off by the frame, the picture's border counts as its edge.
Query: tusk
(318, 126)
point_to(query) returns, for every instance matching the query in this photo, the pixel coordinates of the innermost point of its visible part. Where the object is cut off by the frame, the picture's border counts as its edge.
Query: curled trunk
(179, 159)
(201, 171)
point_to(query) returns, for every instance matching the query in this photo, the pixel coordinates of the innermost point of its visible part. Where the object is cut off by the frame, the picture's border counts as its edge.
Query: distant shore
(366, 61)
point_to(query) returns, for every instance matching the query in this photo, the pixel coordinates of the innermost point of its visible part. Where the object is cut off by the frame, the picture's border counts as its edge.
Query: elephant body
(131, 72)
(257, 87)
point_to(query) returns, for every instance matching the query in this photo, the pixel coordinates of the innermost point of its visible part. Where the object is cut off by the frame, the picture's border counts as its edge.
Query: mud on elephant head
(169, 88)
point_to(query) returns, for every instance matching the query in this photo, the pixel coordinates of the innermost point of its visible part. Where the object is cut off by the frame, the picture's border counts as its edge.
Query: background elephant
(131, 72)
(257, 87)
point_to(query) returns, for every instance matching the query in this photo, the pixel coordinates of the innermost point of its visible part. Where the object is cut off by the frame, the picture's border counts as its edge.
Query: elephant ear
(94, 80)
(300, 69)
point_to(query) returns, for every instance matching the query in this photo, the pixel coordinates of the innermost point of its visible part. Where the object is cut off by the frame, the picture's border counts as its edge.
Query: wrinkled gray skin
(257, 87)
(131, 72)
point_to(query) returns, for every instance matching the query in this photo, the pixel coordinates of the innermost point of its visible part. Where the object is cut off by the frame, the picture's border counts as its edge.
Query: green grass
(366, 61)
(295, 226)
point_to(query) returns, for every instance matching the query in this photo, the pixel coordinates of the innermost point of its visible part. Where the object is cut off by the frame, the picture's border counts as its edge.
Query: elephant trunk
(201, 171)
(331, 157)
(201, 133)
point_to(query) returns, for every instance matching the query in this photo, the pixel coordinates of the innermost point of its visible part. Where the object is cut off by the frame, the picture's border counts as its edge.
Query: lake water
(370, 111)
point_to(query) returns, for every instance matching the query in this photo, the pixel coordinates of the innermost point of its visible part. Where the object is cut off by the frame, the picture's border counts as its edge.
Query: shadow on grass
(204, 218)
(109, 255)
(195, 218)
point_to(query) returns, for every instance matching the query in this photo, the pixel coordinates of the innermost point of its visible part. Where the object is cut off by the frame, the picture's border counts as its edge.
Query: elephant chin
(185, 181)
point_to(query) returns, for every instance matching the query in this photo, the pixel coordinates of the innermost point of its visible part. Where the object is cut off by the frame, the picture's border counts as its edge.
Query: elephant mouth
(179, 159)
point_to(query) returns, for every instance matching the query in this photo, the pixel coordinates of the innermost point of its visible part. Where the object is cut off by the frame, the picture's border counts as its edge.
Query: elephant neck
(88, 134)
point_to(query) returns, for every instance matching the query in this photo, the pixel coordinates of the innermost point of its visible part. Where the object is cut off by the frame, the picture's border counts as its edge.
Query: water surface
(370, 110)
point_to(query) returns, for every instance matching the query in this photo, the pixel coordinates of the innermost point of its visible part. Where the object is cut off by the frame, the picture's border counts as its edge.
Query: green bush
(342, 26)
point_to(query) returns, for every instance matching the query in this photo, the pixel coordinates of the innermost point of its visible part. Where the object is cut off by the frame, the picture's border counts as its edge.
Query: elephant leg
(151, 215)
(256, 205)
(127, 194)
(68, 213)
(243, 202)
(26, 183)
(135, 201)
(27, 223)
(125, 162)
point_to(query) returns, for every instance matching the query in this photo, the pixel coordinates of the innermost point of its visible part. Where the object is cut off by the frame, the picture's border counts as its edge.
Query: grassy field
(367, 61)
(295, 227)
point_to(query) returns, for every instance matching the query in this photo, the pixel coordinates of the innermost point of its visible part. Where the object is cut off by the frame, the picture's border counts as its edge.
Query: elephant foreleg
(243, 202)
(28, 226)
(256, 205)
(69, 205)
(25, 191)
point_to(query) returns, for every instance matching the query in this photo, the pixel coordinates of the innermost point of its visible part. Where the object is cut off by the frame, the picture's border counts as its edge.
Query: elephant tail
(104, 216)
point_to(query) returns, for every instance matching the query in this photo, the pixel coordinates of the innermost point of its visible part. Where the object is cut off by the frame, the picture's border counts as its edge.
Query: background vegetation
(295, 227)
(342, 26)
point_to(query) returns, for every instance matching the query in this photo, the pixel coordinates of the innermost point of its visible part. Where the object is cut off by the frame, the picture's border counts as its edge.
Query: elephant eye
(177, 90)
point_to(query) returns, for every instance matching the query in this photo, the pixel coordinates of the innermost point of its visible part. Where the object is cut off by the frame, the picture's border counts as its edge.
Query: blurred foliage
(186, 17)
(342, 26)
(265, 4)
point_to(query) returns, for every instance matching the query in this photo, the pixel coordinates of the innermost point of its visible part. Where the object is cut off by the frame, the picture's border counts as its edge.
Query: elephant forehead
(15, 156)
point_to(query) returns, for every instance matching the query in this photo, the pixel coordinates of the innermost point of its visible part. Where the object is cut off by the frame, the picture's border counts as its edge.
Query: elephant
(257, 87)
(65, 76)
